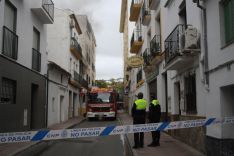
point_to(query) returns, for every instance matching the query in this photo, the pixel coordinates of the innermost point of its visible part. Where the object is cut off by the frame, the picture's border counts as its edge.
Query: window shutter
(232, 19)
(229, 20)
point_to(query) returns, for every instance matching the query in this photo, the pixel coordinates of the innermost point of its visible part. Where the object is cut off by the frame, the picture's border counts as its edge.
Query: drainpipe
(47, 98)
(205, 59)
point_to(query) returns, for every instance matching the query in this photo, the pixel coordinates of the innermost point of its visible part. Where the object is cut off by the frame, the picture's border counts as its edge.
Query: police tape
(109, 130)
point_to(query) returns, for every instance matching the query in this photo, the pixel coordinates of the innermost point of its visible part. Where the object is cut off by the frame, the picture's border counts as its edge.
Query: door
(34, 99)
(61, 105)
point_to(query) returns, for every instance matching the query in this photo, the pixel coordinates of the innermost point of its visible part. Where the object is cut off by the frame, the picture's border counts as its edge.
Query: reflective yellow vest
(155, 102)
(141, 104)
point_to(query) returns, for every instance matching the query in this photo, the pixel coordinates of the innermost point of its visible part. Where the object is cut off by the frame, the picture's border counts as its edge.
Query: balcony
(135, 10)
(181, 46)
(44, 9)
(153, 4)
(10, 43)
(155, 47)
(80, 80)
(36, 60)
(146, 16)
(136, 41)
(140, 80)
(76, 49)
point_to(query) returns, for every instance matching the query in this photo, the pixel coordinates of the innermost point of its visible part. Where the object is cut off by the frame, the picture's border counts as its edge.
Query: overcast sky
(104, 15)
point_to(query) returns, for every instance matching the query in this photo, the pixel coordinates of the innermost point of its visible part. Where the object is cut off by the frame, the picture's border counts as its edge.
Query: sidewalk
(13, 148)
(168, 145)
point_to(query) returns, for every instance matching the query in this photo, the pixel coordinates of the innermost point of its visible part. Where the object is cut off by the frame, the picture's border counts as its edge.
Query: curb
(41, 143)
(127, 139)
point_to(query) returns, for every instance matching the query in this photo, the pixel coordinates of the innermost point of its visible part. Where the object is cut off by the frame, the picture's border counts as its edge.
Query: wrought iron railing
(145, 9)
(174, 43)
(155, 43)
(36, 60)
(147, 57)
(48, 5)
(139, 76)
(136, 36)
(80, 79)
(134, 2)
(76, 46)
(10, 43)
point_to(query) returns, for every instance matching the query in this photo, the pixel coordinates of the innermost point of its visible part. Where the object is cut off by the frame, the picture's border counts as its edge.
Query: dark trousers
(155, 134)
(155, 137)
(139, 137)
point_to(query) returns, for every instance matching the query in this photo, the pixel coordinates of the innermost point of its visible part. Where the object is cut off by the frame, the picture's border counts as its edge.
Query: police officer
(139, 115)
(154, 117)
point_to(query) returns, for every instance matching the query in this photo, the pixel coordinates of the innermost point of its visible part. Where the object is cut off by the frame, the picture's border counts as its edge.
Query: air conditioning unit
(72, 23)
(191, 37)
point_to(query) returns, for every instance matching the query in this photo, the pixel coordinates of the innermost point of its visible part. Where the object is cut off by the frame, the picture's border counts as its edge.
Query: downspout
(205, 59)
(47, 94)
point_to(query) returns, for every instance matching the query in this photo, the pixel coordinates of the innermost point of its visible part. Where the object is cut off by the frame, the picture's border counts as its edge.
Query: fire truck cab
(101, 103)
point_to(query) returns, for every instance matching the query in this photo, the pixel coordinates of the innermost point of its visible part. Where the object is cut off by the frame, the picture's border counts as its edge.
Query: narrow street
(95, 146)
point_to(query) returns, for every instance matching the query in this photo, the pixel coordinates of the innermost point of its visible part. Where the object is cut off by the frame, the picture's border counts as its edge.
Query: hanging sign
(135, 61)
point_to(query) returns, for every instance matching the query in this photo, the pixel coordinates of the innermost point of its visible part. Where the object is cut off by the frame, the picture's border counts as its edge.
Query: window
(8, 91)
(10, 16)
(36, 55)
(10, 39)
(228, 7)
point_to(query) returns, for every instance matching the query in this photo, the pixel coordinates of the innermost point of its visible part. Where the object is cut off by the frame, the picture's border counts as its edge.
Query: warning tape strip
(109, 130)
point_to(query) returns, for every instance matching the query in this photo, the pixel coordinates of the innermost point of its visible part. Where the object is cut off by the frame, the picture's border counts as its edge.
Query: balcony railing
(147, 57)
(173, 44)
(80, 79)
(135, 10)
(76, 48)
(146, 16)
(139, 76)
(136, 41)
(36, 60)
(48, 5)
(155, 45)
(10, 43)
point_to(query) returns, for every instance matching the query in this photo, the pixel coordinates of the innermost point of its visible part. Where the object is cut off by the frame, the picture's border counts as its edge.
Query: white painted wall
(55, 115)
(59, 38)
(216, 103)
(26, 20)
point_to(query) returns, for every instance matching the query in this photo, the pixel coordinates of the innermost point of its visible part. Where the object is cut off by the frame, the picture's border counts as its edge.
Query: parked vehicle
(102, 103)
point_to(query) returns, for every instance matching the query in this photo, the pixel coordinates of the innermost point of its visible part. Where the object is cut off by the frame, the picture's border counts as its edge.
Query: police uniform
(139, 114)
(154, 117)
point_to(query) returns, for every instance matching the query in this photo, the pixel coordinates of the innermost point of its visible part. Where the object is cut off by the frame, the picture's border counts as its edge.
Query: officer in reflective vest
(154, 117)
(139, 115)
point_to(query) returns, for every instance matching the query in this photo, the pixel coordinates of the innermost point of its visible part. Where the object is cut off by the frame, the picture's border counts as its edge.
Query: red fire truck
(102, 103)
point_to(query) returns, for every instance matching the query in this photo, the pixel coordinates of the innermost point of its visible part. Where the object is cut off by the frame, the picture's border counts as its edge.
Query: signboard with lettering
(135, 61)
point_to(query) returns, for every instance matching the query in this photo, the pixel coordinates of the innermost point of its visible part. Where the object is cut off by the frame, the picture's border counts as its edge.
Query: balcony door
(10, 39)
(10, 14)
(36, 55)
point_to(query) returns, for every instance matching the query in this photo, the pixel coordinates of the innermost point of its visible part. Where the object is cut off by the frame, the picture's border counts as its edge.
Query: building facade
(64, 59)
(88, 43)
(188, 65)
(124, 30)
(23, 60)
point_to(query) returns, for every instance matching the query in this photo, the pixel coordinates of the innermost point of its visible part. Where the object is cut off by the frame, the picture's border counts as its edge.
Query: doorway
(190, 94)
(34, 99)
(177, 97)
(70, 112)
(61, 105)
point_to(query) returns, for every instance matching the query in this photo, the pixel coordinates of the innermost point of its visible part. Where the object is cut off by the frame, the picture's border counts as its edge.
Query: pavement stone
(11, 149)
(168, 145)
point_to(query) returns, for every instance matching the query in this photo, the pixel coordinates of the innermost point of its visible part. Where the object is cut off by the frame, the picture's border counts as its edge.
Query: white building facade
(88, 43)
(23, 66)
(64, 57)
(188, 52)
